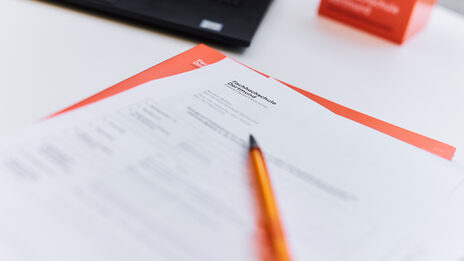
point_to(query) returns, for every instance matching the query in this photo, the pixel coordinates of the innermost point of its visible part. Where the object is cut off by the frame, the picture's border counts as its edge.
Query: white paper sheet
(159, 173)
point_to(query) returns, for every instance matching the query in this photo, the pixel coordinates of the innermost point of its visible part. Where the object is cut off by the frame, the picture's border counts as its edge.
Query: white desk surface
(51, 57)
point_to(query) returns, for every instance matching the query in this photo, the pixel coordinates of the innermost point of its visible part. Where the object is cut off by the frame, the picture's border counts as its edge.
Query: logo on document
(244, 90)
(199, 63)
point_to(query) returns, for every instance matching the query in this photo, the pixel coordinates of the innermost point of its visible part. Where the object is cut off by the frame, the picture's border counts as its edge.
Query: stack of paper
(159, 172)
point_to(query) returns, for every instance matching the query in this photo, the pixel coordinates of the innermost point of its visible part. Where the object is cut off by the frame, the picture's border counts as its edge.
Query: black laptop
(231, 22)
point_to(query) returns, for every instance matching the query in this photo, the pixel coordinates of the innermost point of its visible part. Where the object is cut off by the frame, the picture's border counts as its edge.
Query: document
(442, 236)
(159, 172)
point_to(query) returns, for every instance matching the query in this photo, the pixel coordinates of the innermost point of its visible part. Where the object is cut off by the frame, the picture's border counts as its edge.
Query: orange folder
(202, 55)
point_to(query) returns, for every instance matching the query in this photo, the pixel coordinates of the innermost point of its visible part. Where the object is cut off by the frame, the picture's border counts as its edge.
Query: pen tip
(253, 143)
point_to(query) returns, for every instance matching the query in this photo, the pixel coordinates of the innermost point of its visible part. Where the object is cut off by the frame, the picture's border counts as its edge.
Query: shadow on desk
(455, 5)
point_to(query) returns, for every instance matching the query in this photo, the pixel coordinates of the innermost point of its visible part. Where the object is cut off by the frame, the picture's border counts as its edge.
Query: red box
(395, 20)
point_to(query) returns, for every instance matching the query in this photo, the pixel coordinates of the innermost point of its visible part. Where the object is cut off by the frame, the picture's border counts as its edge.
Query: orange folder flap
(202, 55)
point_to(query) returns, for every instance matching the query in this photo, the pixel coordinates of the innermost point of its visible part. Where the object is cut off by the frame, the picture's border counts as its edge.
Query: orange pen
(268, 213)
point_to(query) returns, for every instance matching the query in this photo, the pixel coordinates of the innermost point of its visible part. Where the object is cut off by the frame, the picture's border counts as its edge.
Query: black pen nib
(253, 143)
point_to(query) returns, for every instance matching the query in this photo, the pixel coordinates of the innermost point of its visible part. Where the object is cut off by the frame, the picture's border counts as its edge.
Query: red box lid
(395, 20)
